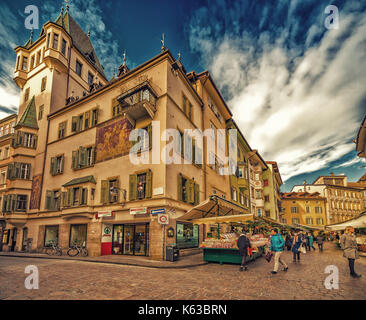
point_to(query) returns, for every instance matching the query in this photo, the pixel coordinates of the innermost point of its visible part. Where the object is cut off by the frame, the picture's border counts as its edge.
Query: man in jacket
(243, 245)
(320, 241)
(277, 244)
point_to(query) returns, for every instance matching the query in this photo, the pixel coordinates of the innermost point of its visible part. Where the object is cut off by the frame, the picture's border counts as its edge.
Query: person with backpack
(296, 243)
(243, 245)
(277, 244)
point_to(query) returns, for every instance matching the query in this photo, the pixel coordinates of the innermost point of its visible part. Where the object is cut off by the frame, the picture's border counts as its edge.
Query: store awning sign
(142, 210)
(101, 214)
(157, 211)
(163, 218)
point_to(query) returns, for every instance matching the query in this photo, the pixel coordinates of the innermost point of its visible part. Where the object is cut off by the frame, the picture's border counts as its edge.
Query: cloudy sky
(296, 89)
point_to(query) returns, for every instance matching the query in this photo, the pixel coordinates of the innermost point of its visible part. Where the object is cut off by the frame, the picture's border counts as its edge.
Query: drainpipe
(68, 75)
(204, 151)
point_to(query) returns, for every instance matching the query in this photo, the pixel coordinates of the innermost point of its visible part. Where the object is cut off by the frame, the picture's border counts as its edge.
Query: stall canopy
(358, 222)
(216, 210)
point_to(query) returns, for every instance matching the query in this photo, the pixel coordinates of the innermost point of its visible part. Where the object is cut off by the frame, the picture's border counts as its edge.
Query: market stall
(219, 245)
(359, 223)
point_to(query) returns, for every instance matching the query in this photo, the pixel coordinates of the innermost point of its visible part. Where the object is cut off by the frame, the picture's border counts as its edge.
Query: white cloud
(351, 162)
(300, 108)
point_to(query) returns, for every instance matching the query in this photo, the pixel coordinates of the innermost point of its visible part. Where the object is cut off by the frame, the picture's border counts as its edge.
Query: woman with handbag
(349, 246)
(295, 248)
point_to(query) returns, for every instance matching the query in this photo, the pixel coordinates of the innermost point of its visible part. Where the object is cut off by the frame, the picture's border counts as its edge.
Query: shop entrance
(131, 239)
(14, 240)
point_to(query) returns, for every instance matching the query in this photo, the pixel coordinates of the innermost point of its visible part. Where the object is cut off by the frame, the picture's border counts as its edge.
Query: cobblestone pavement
(62, 279)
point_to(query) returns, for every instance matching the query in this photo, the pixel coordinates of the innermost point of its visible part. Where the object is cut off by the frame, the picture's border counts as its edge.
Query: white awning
(359, 222)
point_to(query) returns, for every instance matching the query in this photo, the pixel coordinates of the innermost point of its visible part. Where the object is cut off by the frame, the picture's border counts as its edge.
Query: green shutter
(34, 141)
(62, 163)
(196, 194)
(5, 200)
(64, 199)
(81, 198)
(53, 166)
(82, 157)
(149, 184)
(149, 131)
(74, 124)
(10, 171)
(48, 200)
(132, 187)
(190, 190)
(17, 170)
(68, 202)
(104, 192)
(72, 198)
(85, 200)
(75, 159)
(93, 152)
(180, 190)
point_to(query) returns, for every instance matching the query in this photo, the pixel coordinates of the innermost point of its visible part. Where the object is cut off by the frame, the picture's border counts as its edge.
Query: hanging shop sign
(157, 211)
(163, 218)
(101, 214)
(142, 210)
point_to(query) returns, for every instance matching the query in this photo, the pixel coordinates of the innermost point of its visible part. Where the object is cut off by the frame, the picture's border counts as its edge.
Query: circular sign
(163, 219)
(107, 230)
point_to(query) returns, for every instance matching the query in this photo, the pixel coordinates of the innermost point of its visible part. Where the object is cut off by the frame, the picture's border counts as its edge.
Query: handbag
(302, 249)
(249, 251)
(268, 256)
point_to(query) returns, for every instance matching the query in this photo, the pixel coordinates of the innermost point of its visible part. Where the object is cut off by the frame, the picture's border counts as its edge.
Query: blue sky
(296, 89)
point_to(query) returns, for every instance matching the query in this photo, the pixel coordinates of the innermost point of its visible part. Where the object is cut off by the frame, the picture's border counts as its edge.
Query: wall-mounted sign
(101, 214)
(158, 191)
(163, 219)
(170, 232)
(142, 210)
(157, 211)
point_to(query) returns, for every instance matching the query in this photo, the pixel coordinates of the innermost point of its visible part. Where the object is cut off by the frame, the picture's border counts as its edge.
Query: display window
(131, 239)
(78, 234)
(187, 235)
(50, 236)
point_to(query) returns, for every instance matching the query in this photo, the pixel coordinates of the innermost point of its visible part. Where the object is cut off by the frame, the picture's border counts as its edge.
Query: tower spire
(124, 58)
(67, 5)
(89, 32)
(31, 35)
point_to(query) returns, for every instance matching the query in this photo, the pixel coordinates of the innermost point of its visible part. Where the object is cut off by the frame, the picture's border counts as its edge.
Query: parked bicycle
(77, 249)
(54, 250)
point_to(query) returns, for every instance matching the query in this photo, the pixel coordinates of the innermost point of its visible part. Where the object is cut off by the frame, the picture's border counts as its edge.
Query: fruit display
(229, 241)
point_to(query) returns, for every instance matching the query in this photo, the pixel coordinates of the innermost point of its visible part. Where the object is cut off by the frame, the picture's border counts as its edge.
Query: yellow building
(303, 208)
(69, 174)
(272, 182)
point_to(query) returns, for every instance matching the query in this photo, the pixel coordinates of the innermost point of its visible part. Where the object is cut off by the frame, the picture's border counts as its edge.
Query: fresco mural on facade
(35, 200)
(113, 140)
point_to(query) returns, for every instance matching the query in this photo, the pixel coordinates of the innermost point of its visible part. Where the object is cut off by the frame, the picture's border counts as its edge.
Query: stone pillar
(63, 236)
(156, 239)
(94, 239)
(40, 239)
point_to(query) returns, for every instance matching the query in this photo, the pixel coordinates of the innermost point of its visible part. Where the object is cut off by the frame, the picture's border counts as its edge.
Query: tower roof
(29, 117)
(80, 39)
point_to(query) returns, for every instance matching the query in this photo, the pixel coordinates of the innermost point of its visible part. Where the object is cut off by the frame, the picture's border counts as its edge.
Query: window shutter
(12, 202)
(85, 200)
(190, 190)
(28, 172)
(10, 171)
(82, 157)
(74, 124)
(17, 170)
(75, 159)
(180, 189)
(34, 141)
(71, 197)
(149, 131)
(196, 194)
(132, 187)
(48, 200)
(62, 163)
(149, 184)
(81, 198)
(93, 152)
(5, 200)
(64, 199)
(104, 192)
(53, 166)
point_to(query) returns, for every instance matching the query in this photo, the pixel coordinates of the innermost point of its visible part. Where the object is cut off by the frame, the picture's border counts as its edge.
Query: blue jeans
(296, 254)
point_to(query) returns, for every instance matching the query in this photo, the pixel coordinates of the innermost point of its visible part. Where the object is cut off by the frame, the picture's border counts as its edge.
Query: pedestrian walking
(350, 251)
(243, 245)
(306, 242)
(330, 237)
(320, 241)
(337, 236)
(311, 242)
(277, 244)
(296, 243)
(288, 241)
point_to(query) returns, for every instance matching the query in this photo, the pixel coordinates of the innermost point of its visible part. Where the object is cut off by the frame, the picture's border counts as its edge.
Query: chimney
(332, 174)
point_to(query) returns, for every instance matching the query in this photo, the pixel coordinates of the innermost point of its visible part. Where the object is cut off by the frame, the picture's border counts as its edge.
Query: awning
(358, 222)
(271, 221)
(302, 226)
(217, 210)
(76, 181)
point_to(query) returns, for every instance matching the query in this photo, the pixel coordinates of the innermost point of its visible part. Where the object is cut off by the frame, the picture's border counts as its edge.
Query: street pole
(163, 242)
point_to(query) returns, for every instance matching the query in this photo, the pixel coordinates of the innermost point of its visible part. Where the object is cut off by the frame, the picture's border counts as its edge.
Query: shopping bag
(302, 249)
(268, 256)
(250, 251)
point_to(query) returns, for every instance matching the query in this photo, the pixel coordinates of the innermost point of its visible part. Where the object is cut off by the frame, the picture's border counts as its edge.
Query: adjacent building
(272, 182)
(344, 200)
(361, 140)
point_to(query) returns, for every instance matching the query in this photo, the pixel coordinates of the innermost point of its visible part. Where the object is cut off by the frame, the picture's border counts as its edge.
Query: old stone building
(69, 177)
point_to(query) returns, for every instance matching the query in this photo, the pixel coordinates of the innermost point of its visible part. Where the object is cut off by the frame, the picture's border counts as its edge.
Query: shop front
(130, 239)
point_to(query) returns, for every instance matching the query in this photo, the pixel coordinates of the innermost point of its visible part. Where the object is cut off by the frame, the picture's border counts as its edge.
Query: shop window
(83, 158)
(78, 234)
(53, 199)
(187, 236)
(140, 185)
(188, 190)
(51, 236)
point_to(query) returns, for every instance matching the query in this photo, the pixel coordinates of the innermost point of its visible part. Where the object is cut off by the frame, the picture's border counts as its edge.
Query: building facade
(344, 200)
(70, 178)
(304, 208)
(272, 182)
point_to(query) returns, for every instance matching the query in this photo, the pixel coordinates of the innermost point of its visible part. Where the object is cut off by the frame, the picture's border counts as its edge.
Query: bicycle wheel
(84, 252)
(51, 251)
(59, 252)
(72, 252)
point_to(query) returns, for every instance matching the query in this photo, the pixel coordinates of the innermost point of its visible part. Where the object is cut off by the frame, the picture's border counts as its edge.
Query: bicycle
(54, 250)
(77, 249)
